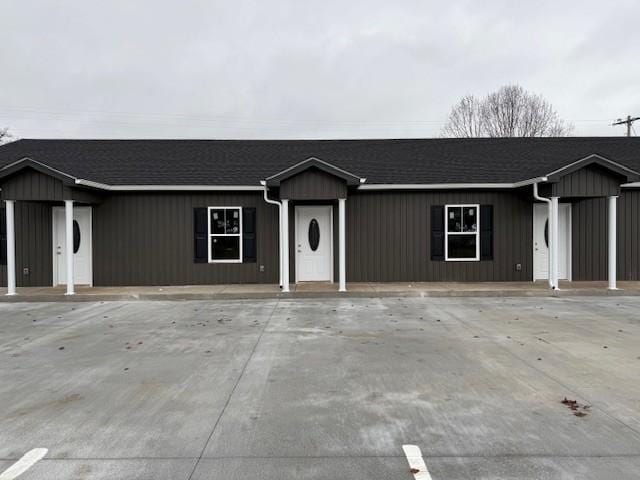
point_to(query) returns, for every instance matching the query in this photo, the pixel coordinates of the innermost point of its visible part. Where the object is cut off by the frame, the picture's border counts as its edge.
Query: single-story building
(187, 212)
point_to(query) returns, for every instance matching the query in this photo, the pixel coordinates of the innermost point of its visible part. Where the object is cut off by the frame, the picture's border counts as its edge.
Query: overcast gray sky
(305, 69)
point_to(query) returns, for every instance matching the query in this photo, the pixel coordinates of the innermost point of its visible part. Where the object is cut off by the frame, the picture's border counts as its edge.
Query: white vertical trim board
(11, 247)
(54, 270)
(416, 462)
(612, 257)
(569, 258)
(553, 214)
(342, 249)
(331, 234)
(296, 232)
(68, 245)
(285, 245)
(90, 235)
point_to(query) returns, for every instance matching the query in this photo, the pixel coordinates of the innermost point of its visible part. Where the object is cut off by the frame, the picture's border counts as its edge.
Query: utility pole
(628, 122)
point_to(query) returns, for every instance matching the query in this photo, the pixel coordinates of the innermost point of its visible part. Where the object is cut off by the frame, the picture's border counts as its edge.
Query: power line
(254, 120)
(229, 123)
(249, 121)
(628, 122)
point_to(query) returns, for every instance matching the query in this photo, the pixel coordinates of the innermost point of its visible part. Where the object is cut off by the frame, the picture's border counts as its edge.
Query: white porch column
(11, 247)
(553, 227)
(550, 259)
(612, 214)
(68, 223)
(285, 245)
(280, 256)
(342, 234)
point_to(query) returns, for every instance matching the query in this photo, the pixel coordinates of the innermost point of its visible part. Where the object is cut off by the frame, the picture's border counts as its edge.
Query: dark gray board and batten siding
(34, 247)
(148, 239)
(628, 235)
(590, 237)
(590, 181)
(388, 237)
(313, 184)
(29, 184)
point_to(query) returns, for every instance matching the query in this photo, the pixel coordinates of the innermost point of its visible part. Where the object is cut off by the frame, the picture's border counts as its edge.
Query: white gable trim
(31, 161)
(450, 186)
(596, 157)
(315, 160)
(125, 188)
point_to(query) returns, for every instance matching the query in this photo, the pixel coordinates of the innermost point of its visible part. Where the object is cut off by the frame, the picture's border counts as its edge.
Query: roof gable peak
(313, 162)
(594, 159)
(27, 162)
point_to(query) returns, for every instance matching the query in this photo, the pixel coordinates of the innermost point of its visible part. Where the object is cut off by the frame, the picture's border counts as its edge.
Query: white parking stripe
(25, 463)
(416, 462)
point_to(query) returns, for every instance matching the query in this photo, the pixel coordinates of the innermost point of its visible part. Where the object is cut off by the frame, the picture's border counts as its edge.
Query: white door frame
(299, 208)
(54, 281)
(569, 208)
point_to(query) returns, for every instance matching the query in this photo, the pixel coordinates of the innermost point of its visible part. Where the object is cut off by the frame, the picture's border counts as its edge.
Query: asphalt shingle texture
(246, 162)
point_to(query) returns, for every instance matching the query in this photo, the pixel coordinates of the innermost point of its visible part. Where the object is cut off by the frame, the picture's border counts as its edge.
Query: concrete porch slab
(316, 290)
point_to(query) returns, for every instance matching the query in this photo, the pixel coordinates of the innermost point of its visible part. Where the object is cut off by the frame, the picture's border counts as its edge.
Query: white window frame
(211, 235)
(447, 233)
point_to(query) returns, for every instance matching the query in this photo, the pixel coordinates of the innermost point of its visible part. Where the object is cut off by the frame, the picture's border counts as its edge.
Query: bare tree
(465, 118)
(5, 136)
(509, 112)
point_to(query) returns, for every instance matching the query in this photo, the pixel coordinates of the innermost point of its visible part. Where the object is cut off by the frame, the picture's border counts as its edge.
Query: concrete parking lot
(323, 388)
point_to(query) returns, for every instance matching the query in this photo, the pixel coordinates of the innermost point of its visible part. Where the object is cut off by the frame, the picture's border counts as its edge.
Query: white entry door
(314, 243)
(82, 273)
(541, 235)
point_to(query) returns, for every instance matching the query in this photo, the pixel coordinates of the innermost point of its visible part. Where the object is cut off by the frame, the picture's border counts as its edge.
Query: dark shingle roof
(246, 162)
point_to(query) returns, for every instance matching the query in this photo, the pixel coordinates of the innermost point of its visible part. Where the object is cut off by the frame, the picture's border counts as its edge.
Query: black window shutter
(486, 232)
(249, 235)
(437, 232)
(200, 251)
(3, 236)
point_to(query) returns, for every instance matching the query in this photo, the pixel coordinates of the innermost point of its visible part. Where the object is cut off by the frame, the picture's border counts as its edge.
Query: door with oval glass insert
(82, 274)
(541, 229)
(314, 245)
